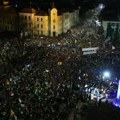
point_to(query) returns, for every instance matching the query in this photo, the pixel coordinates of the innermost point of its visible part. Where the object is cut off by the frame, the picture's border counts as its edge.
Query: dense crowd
(86, 34)
(36, 82)
(42, 83)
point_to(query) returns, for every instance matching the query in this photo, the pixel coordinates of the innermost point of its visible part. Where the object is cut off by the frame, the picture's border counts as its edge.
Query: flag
(59, 63)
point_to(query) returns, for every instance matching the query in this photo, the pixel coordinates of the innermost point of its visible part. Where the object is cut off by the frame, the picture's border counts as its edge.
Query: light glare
(106, 74)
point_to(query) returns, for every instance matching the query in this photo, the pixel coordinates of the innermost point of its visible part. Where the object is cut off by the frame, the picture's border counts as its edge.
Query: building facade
(48, 23)
(113, 25)
(112, 32)
(52, 22)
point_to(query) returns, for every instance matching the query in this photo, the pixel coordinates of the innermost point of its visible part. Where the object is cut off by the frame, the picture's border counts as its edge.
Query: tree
(116, 39)
(100, 30)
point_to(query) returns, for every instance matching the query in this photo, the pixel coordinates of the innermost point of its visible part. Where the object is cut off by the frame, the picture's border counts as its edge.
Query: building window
(38, 31)
(29, 18)
(38, 25)
(41, 19)
(37, 19)
(53, 26)
(29, 25)
(41, 32)
(112, 24)
(53, 20)
(41, 26)
(54, 33)
(25, 17)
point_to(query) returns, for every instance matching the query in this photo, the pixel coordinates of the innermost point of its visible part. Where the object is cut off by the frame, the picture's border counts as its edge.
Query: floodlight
(101, 6)
(106, 74)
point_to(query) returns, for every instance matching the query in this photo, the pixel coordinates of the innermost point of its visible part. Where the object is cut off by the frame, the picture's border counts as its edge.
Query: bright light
(98, 22)
(106, 74)
(101, 6)
(86, 85)
(47, 70)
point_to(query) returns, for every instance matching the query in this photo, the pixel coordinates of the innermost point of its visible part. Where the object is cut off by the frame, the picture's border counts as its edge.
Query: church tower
(53, 20)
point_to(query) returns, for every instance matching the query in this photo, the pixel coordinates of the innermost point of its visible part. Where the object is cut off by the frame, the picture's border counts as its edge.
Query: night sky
(71, 2)
(110, 5)
(58, 2)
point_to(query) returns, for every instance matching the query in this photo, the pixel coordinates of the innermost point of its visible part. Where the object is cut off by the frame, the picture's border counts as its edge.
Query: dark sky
(45, 4)
(88, 4)
(72, 2)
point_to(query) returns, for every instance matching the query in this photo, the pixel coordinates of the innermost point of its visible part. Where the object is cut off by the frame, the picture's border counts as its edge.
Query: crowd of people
(42, 83)
(45, 83)
(87, 34)
(36, 82)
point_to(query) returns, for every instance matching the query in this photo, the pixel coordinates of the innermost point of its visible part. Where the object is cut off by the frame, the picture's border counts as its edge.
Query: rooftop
(28, 10)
